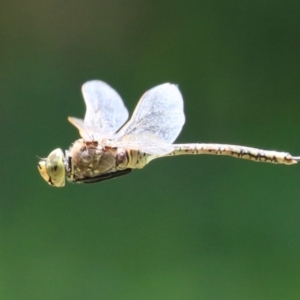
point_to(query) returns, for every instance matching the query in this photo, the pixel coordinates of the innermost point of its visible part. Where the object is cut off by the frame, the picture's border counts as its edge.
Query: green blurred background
(184, 227)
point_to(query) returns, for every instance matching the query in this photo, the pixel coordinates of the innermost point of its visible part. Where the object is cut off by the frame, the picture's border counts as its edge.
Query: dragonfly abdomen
(249, 153)
(129, 158)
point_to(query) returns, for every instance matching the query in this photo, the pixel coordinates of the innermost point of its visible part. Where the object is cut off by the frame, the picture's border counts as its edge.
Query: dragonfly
(107, 150)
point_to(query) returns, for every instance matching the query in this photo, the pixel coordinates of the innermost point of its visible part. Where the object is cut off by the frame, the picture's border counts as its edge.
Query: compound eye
(43, 170)
(52, 169)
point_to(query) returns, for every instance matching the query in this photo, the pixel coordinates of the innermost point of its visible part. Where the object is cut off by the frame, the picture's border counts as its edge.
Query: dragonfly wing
(159, 114)
(105, 110)
(84, 131)
(147, 143)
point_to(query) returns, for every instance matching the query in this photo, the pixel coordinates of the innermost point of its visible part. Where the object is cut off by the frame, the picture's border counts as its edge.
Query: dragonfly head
(52, 168)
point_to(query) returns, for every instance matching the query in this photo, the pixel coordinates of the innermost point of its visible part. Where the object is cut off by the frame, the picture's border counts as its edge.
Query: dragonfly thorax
(89, 159)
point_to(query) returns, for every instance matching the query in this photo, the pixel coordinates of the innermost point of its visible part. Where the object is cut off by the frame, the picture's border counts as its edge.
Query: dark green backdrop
(185, 227)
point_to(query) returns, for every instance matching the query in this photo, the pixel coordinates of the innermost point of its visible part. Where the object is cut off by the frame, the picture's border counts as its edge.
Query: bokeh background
(184, 227)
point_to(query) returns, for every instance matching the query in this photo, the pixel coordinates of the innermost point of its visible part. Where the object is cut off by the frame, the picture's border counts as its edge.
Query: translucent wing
(84, 131)
(147, 143)
(105, 111)
(156, 121)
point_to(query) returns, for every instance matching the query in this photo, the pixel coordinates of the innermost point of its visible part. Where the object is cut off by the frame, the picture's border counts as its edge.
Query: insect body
(105, 151)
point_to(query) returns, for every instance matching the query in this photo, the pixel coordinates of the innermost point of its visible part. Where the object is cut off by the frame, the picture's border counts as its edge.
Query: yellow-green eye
(52, 168)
